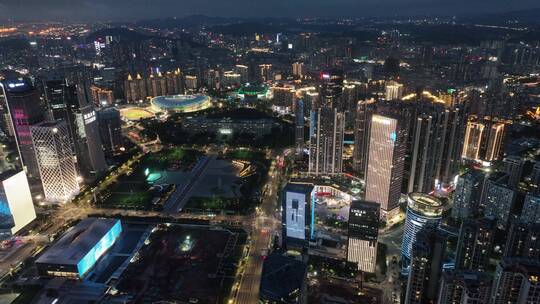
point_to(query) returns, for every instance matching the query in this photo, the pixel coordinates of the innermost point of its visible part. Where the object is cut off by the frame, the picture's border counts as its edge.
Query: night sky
(125, 10)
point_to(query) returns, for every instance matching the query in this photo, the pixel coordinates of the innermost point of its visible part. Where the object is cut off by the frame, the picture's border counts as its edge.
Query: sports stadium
(181, 103)
(253, 91)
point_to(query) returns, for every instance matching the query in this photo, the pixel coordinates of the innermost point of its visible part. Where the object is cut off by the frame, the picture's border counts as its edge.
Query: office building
(16, 207)
(79, 249)
(523, 240)
(498, 199)
(427, 257)
(21, 101)
(298, 214)
(513, 167)
(385, 164)
(55, 96)
(516, 281)
(326, 141)
(84, 129)
(423, 210)
(475, 244)
(467, 195)
(531, 209)
(394, 90)
(110, 129)
(363, 233)
(55, 160)
(465, 287)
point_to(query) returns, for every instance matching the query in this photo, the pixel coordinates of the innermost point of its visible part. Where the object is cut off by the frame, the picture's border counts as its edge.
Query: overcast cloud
(88, 10)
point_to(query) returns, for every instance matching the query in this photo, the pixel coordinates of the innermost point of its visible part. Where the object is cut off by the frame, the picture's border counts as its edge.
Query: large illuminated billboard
(16, 200)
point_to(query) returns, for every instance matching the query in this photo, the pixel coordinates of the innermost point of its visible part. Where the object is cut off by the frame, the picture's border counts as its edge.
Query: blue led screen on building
(99, 249)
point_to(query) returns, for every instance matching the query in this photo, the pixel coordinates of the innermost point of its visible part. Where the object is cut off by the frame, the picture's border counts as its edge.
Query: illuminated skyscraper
(494, 143)
(55, 160)
(298, 214)
(483, 140)
(16, 207)
(23, 105)
(326, 141)
(298, 69)
(73, 104)
(82, 122)
(363, 233)
(473, 140)
(394, 90)
(422, 211)
(385, 164)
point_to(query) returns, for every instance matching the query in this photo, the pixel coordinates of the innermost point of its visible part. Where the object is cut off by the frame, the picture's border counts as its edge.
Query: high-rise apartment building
(523, 240)
(55, 160)
(465, 287)
(363, 233)
(513, 167)
(467, 195)
(531, 209)
(326, 141)
(516, 281)
(475, 244)
(427, 257)
(384, 173)
(498, 199)
(394, 90)
(483, 140)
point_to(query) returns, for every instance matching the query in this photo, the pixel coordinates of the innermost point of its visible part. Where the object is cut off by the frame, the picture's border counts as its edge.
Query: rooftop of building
(425, 204)
(299, 188)
(77, 241)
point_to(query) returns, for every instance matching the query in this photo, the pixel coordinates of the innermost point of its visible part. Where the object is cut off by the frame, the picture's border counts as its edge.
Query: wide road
(265, 225)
